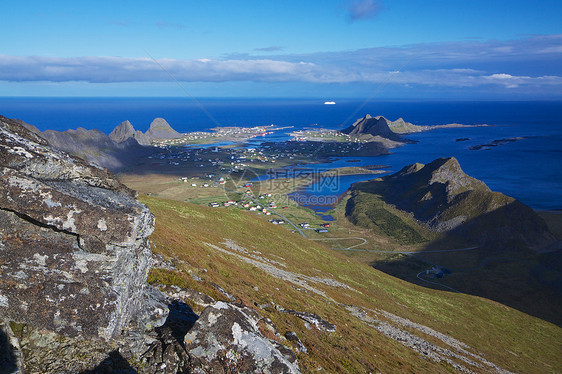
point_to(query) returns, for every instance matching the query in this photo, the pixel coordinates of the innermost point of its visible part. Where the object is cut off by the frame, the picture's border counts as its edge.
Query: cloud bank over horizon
(513, 66)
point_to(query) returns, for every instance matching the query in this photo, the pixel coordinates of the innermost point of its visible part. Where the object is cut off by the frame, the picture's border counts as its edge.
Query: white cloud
(509, 64)
(363, 9)
(500, 76)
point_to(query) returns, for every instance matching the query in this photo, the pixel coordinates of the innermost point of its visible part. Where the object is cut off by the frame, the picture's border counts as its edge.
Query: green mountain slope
(445, 199)
(382, 323)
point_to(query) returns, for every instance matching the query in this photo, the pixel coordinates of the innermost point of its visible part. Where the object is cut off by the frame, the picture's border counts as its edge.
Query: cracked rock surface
(226, 338)
(74, 241)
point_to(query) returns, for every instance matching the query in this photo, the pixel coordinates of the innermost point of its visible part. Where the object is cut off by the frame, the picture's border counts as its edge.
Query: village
(232, 134)
(223, 174)
(323, 135)
(270, 154)
(263, 204)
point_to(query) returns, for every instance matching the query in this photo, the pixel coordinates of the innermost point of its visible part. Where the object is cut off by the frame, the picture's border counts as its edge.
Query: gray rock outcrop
(122, 132)
(142, 138)
(226, 339)
(73, 241)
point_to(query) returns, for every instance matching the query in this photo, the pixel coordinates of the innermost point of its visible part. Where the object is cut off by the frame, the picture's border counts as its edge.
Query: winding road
(365, 241)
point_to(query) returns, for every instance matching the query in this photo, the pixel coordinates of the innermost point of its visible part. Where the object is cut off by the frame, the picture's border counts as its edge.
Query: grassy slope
(508, 338)
(367, 210)
(514, 276)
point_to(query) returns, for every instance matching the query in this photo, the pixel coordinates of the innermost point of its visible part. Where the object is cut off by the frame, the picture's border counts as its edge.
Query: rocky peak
(375, 126)
(122, 132)
(441, 195)
(447, 171)
(160, 129)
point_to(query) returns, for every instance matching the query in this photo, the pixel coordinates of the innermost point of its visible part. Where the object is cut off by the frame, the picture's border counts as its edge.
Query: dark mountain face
(96, 147)
(375, 126)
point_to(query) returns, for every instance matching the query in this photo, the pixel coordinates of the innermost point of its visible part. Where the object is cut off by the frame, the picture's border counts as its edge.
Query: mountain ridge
(159, 129)
(374, 126)
(446, 199)
(116, 151)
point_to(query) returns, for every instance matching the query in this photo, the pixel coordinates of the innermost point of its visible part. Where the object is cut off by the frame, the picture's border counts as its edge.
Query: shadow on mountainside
(499, 266)
(8, 359)
(166, 351)
(114, 363)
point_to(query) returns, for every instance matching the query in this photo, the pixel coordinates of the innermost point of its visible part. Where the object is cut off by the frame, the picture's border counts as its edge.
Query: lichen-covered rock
(313, 319)
(226, 339)
(292, 336)
(167, 353)
(74, 260)
(74, 253)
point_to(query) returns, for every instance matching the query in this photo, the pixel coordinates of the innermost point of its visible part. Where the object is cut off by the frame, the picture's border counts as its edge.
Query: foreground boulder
(73, 241)
(226, 339)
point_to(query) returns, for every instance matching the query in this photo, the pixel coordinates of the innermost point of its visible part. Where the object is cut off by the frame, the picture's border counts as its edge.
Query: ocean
(529, 169)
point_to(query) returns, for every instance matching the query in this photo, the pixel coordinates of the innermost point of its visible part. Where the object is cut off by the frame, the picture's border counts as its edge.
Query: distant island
(368, 129)
(123, 147)
(498, 142)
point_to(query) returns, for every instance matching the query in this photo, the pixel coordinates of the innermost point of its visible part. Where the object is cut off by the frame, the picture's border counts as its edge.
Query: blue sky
(330, 48)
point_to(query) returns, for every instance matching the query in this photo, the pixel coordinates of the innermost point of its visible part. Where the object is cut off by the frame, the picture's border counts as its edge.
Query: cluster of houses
(277, 221)
(224, 203)
(322, 229)
(193, 182)
(437, 272)
(250, 206)
(217, 134)
(321, 134)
